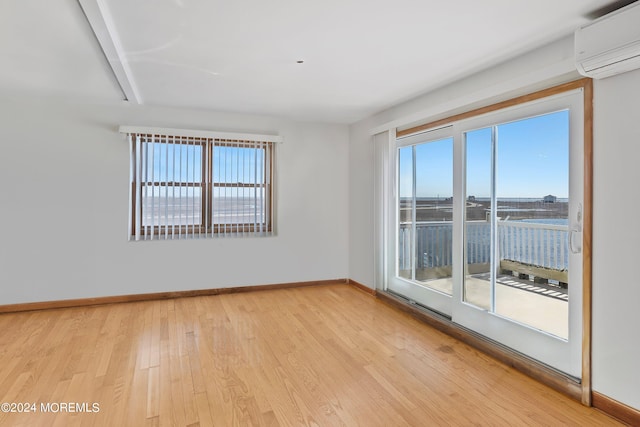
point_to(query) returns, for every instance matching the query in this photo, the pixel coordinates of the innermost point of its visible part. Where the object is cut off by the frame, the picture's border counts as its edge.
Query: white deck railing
(541, 245)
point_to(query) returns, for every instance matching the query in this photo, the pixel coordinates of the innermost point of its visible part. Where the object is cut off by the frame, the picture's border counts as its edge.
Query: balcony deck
(523, 250)
(536, 305)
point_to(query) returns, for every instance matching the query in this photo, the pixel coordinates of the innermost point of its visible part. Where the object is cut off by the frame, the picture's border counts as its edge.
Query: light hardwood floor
(318, 356)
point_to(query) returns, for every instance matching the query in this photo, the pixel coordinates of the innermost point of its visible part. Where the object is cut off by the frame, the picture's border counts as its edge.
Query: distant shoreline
(487, 199)
(433, 209)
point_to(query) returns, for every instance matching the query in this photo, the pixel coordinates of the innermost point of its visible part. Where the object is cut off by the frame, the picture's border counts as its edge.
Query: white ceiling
(360, 56)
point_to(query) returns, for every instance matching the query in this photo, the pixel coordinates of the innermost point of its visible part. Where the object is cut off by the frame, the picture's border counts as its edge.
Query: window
(199, 186)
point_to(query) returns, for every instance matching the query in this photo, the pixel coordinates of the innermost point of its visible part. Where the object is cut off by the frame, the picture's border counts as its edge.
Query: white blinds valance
(206, 134)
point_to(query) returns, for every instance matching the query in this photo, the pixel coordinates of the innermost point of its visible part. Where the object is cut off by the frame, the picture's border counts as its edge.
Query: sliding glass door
(516, 221)
(488, 226)
(424, 220)
(522, 281)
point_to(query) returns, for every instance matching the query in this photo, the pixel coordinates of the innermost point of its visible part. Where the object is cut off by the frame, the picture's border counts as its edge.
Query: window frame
(206, 225)
(267, 184)
(157, 229)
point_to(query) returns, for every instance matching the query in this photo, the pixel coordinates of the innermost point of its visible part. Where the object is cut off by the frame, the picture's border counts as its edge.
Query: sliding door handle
(575, 231)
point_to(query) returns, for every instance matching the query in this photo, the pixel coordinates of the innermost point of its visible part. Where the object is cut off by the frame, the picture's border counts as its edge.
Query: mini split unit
(609, 45)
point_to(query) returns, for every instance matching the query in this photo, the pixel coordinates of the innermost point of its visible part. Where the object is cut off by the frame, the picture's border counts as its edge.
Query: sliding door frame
(421, 293)
(587, 87)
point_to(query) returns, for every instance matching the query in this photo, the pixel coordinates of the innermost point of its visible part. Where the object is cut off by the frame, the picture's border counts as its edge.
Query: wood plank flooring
(316, 356)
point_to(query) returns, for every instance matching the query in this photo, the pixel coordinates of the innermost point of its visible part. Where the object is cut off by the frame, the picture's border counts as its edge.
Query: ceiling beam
(101, 22)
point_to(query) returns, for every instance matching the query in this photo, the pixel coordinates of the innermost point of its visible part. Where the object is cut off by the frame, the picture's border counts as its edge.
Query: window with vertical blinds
(200, 184)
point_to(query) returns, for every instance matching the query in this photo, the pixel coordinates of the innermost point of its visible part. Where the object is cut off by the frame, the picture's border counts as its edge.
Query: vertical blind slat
(186, 178)
(143, 188)
(215, 191)
(255, 180)
(263, 189)
(205, 188)
(138, 188)
(146, 190)
(165, 192)
(173, 190)
(192, 197)
(155, 220)
(223, 216)
(259, 202)
(180, 190)
(267, 189)
(244, 193)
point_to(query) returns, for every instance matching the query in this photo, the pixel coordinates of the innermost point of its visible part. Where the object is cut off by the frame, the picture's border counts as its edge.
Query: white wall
(616, 236)
(616, 293)
(64, 170)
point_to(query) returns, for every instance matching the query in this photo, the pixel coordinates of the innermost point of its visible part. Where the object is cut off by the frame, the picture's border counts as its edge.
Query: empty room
(337, 213)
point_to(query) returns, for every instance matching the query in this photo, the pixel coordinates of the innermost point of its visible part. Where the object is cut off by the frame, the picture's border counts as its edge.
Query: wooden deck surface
(315, 356)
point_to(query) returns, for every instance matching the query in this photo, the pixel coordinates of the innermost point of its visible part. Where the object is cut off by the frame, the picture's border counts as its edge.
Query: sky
(532, 161)
(183, 163)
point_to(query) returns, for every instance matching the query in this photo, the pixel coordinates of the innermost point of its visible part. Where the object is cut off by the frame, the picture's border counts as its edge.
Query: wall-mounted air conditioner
(609, 45)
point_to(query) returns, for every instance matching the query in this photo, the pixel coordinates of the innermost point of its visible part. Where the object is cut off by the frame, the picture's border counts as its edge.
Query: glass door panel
(424, 222)
(532, 194)
(478, 288)
(516, 221)
(434, 214)
(522, 184)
